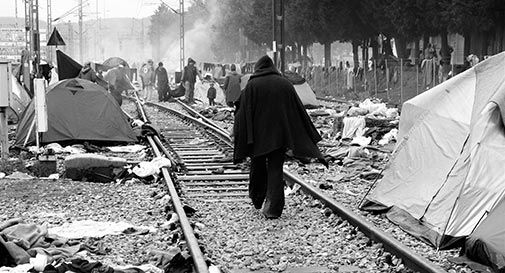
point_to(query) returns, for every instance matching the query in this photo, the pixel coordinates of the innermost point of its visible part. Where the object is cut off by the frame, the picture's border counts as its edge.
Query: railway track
(208, 175)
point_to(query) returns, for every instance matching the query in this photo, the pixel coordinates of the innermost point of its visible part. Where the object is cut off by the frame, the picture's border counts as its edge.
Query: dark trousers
(266, 183)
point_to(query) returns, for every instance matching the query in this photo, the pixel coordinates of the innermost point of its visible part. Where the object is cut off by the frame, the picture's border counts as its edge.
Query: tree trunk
(327, 54)
(445, 55)
(499, 39)
(386, 47)
(484, 44)
(416, 54)
(426, 41)
(468, 44)
(375, 48)
(364, 54)
(304, 54)
(401, 48)
(355, 53)
(298, 53)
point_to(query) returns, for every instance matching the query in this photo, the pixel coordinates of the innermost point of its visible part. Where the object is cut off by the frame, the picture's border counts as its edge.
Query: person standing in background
(161, 82)
(232, 86)
(189, 79)
(211, 94)
(147, 77)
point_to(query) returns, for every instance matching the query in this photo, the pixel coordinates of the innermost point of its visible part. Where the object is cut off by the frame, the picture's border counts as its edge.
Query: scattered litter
(2, 175)
(361, 141)
(387, 138)
(74, 149)
(291, 190)
(57, 148)
(353, 126)
(90, 228)
(144, 169)
(35, 150)
(356, 111)
(127, 149)
(39, 262)
(54, 176)
(19, 175)
(22, 268)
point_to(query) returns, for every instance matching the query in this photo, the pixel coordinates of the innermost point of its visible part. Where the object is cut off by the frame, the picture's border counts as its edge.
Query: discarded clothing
(353, 126)
(90, 228)
(22, 241)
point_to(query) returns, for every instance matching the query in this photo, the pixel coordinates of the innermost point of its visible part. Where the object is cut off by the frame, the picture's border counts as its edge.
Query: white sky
(106, 8)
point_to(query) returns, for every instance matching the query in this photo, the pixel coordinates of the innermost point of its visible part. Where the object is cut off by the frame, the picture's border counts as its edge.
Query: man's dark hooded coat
(271, 116)
(271, 120)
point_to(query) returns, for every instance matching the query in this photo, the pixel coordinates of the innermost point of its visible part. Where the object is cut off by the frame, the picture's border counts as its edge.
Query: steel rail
(409, 258)
(204, 119)
(192, 243)
(217, 130)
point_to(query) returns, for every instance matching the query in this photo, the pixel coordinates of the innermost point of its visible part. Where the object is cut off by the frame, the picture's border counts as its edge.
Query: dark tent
(486, 244)
(115, 61)
(55, 39)
(67, 67)
(77, 110)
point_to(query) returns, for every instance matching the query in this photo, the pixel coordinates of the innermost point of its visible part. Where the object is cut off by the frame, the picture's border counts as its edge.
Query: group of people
(231, 85)
(154, 79)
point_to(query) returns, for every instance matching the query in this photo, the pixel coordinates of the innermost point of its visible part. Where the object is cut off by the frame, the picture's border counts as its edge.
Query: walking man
(270, 121)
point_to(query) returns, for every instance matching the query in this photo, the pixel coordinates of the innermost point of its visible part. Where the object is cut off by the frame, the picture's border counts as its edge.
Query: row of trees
(361, 22)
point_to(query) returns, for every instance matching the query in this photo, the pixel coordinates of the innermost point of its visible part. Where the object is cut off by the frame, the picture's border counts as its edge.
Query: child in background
(211, 94)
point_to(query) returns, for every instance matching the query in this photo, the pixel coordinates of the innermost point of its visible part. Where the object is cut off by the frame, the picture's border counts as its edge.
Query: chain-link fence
(391, 80)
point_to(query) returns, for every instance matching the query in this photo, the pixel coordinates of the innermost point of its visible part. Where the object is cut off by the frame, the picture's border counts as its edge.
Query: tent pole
(29, 132)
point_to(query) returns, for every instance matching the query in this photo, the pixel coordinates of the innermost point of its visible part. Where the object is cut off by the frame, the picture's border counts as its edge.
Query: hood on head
(264, 66)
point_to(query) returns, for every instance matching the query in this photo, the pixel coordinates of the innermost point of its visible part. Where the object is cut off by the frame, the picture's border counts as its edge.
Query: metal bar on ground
(194, 248)
(392, 245)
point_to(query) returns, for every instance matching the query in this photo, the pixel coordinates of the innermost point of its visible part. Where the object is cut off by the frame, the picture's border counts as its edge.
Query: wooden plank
(217, 189)
(213, 177)
(222, 194)
(215, 183)
(209, 172)
(206, 164)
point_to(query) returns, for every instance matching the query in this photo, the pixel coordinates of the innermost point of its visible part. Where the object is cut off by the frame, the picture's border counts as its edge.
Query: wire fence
(391, 80)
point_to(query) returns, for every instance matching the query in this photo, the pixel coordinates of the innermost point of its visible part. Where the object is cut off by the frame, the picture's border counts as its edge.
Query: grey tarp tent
(486, 244)
(78, 110)
(446, 172)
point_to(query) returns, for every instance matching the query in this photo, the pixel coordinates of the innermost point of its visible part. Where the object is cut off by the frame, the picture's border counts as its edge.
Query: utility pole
(97, 33)
(16, 7)
(36, 37)
(278, 46)
(49, 30)
(28, 26)
(181, 33)
(81, 56)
